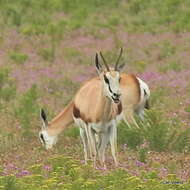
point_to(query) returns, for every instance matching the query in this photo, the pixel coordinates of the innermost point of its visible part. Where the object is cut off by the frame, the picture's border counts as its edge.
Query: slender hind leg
(85, 144)
(140, 113)
(129, 118)
(88, 140)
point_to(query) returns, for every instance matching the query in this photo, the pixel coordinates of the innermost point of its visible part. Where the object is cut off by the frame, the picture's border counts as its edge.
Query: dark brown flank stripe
(77, 114)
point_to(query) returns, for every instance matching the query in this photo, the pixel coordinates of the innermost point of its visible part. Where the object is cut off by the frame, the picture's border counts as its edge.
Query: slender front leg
(113, 143)
(101, 151)
(85, 144)
(93, 145)
(98, 140)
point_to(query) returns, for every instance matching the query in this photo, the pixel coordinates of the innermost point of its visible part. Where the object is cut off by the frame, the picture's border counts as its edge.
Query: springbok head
(110, 77)
(47, 140)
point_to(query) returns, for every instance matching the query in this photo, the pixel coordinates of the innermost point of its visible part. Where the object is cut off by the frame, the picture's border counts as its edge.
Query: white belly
(100, 126)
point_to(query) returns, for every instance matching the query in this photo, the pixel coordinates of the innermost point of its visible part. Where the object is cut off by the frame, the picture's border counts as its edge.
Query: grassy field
(47, 50)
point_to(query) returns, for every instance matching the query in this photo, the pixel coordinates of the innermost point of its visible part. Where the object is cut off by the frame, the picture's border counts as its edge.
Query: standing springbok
(95, 109)
(135, 95)
(90, 105)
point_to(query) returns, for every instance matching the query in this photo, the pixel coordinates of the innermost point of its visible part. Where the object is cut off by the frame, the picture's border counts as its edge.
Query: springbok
(135, 95)
(96, 109)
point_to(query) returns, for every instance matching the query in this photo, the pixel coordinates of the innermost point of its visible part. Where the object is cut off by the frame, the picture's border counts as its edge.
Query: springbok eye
(106, 79)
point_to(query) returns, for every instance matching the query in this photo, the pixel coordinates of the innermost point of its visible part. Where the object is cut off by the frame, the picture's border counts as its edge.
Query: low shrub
(129, 136)
(18, 58)
(160, 134)
(27, 109)
(7, 86)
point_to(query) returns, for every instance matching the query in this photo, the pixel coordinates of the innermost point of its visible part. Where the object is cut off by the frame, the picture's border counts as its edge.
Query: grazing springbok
(96, 109)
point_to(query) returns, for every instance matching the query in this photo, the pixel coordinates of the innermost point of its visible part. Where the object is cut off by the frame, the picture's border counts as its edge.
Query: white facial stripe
(112, 86)
(47, 140)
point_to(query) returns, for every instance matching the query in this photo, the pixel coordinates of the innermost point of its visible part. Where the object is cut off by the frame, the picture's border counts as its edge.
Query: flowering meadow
(47, 50)
(66, 173)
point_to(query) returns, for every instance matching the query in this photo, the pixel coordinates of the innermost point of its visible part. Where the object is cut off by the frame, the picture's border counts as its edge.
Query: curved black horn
(117, 62)
(105, 63)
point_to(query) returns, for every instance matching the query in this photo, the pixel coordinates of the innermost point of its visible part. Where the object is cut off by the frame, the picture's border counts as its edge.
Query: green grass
(18, 58)
(166, 50)
(137, 15)
(172, 65)
(48, 54)
(8, 141)
(70, 53)
(72, 132)
(7, 86)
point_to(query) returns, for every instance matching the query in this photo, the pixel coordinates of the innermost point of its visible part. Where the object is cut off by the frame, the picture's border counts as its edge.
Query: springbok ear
(98, 65)
(44, 118)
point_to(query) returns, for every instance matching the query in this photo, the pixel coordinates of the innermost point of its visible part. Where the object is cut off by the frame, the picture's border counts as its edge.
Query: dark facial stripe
(107, 82)
(106, 79)
(110, 89)
(42, 137)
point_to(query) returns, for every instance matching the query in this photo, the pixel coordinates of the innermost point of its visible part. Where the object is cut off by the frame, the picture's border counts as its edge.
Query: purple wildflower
(144, 145)
(23, 173)
(163, 172)
(148, 76)
(80, 78)
(82, 161)
(47, 168)
(10, 166)
(139, 164)
(184, 174)
(102, 169)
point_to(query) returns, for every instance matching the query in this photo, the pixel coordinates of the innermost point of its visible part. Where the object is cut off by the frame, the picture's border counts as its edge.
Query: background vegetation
(47, 50)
